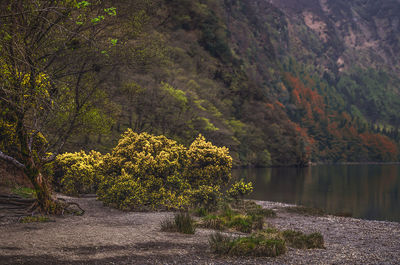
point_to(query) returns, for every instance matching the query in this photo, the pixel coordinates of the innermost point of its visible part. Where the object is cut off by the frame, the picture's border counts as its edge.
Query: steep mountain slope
(279, 82)
(355, 45)
(352, 32)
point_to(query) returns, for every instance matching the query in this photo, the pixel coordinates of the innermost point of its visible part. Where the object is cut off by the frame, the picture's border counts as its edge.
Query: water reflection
(365, 191)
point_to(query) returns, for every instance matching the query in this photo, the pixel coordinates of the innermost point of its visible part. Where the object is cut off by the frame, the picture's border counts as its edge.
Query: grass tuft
(201, 212)
(220, 243)
(258, 245)
(246, 216)
(182, 223)
(268, 213)
(34, 219)
(213, 221)
(24, 192)
(300, 240)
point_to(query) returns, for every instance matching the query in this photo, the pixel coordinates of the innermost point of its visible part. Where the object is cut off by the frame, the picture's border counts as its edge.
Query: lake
(364, 191)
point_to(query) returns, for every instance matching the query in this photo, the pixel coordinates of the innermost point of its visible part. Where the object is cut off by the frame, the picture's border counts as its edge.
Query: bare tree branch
(12, 160)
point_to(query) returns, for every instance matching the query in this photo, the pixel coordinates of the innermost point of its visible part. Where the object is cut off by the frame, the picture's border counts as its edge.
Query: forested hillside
(278, 82)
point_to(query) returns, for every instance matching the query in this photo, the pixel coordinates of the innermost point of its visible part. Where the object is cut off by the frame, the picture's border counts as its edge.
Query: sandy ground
(109, 236)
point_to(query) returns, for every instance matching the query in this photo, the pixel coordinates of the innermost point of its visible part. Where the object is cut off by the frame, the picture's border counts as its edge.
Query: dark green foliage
(214, 38)
(300, 240)
(182, 223)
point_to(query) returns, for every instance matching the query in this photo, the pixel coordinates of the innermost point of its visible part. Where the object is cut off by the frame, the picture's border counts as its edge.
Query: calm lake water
(365, 191)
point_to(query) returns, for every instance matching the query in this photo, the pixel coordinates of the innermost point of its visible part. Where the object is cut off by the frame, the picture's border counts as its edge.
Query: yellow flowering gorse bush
(80, 172)
(146, 172)
(240, 189)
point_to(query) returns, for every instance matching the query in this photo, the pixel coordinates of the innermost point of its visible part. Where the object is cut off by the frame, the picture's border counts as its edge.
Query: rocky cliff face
(340, 34)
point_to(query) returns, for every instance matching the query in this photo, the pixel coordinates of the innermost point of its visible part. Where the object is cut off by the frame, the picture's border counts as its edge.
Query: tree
(52, 54)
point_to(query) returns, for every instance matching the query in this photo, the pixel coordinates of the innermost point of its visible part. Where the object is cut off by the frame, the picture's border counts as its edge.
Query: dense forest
(277, 82)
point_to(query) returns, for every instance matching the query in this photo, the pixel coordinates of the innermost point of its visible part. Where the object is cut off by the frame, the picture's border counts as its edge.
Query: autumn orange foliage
(332, 135)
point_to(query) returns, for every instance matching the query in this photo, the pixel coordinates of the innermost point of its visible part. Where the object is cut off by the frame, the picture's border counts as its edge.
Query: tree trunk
(43, 191)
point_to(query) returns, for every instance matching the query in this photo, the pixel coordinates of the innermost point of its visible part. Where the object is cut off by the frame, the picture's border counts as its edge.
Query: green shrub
(259, 245)
(300, 240)
(182, 223)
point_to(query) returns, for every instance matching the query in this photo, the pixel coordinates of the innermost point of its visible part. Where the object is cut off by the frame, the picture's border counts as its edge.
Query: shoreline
(311, 164)
(105, 236)
(272, 204)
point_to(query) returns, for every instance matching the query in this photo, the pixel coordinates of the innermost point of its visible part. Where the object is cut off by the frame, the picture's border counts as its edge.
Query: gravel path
(109, 236)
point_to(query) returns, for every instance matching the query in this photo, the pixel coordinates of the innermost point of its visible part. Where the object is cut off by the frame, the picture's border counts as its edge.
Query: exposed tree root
(16, 206)
(66, 207)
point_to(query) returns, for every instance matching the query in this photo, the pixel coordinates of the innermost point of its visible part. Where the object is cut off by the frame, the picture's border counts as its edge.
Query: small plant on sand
(258, 244)
(240, 218)
(34, 219)
(300, 240)
(269, 242)
(252, 208)
(242, 223)
(182, 223)
(201, 212)
(213, 221)
(24, 192)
